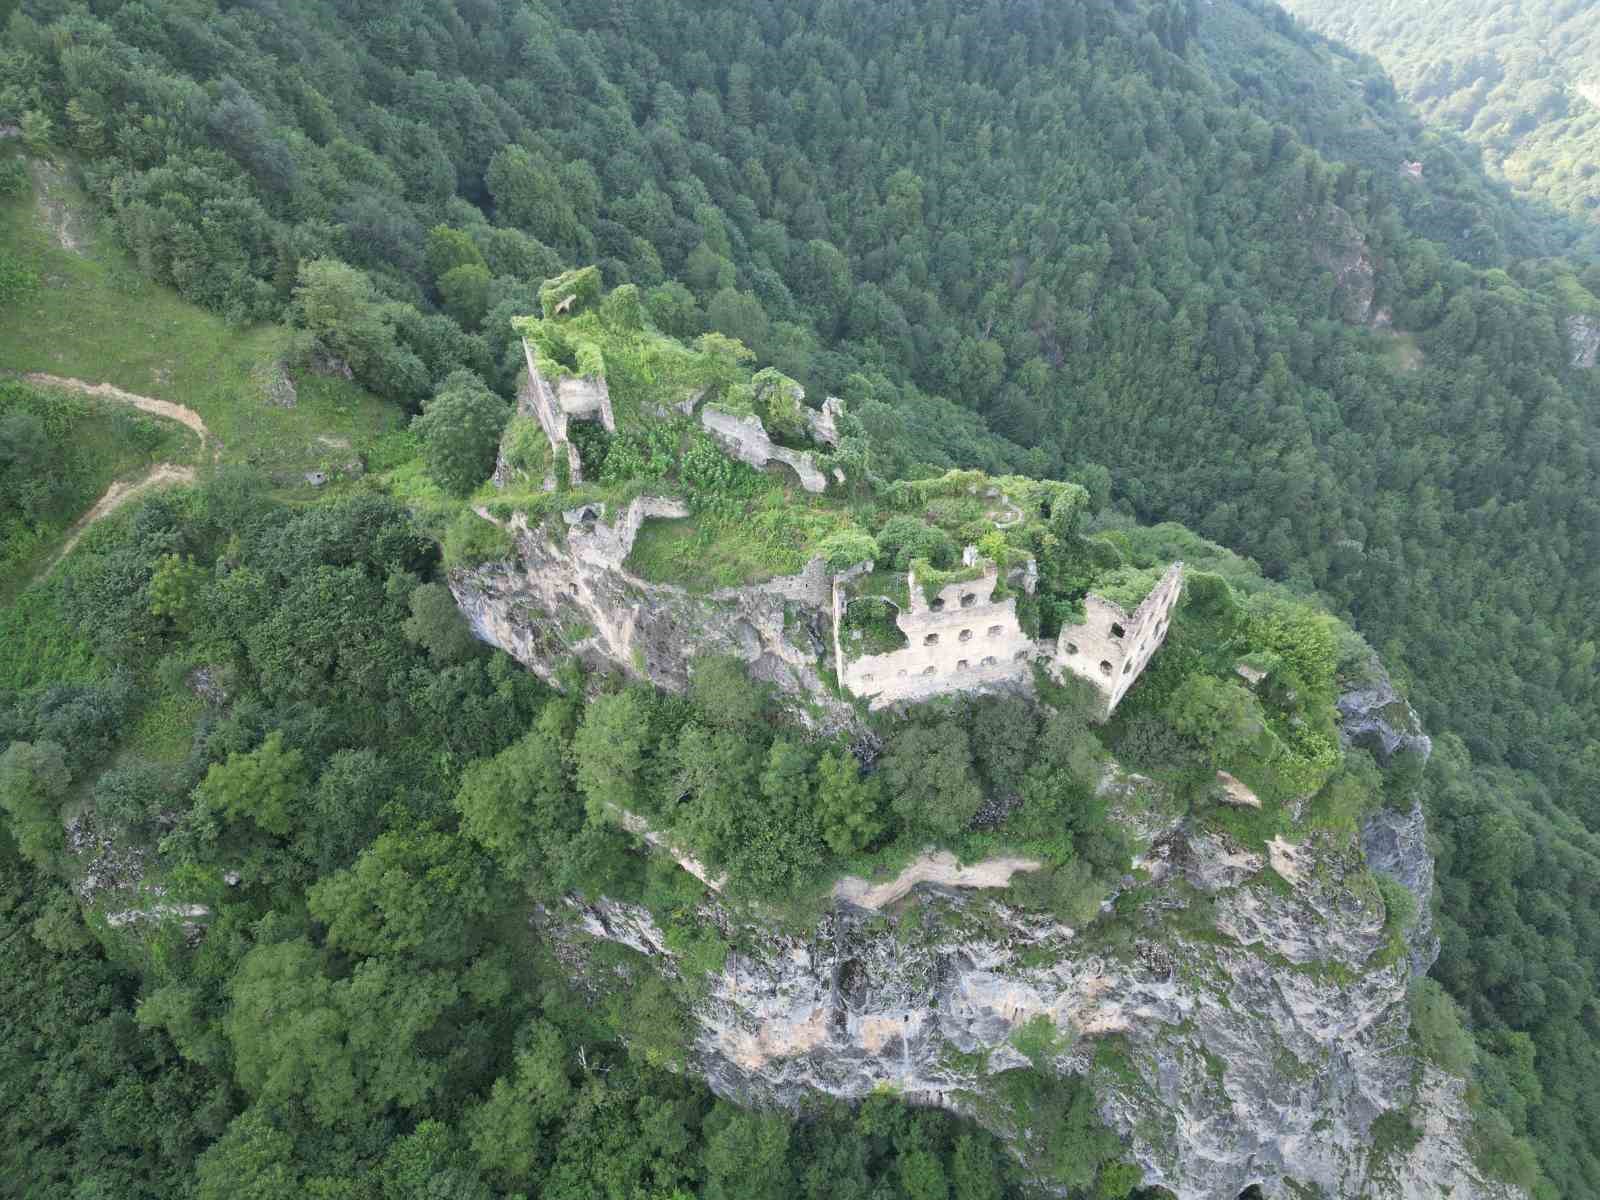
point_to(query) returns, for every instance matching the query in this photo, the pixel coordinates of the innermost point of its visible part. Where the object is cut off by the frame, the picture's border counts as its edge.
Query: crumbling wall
(572, 397)
(824, 426)
(608, 546)
(746, 439)
(586, 398)
(1111, 647)
(960, 640)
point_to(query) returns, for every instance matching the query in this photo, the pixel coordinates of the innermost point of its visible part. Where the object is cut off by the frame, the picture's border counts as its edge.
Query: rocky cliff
(567, 592)
(1242, 1016)
(1583, 338)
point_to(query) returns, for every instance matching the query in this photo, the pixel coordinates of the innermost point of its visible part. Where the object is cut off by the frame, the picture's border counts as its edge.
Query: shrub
(13, 177)
(436, 624)
(460, 430)
(470, 541)
(128, 797)
(570, 293)
(33, 782)
(904, 538)
(928, 770)
(847, 804)
(847, 547)
(1436, 1024)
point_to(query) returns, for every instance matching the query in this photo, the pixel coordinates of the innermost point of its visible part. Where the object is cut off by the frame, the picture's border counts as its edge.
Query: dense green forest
(367, 1013)
(1162, 249)
(1522, 81)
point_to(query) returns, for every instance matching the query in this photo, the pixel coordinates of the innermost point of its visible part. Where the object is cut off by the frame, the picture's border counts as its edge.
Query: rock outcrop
(1375, 717)
(745, 437)
(569, 593)
(1340, 248)
(1583, 339)
(1246, 1026)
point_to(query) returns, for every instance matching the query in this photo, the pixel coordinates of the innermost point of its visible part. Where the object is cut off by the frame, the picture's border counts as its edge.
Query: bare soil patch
(106, 391)
(118, 494)
(934, 867)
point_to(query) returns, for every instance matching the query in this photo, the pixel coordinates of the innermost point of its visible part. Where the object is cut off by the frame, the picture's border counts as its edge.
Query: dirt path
(105, 391)
(634, 823)
(118, 494)
(940, 867)
(54, 211)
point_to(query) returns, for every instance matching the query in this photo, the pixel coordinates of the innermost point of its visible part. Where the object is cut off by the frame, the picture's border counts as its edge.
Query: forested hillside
(1164, 249)
(1520, 80)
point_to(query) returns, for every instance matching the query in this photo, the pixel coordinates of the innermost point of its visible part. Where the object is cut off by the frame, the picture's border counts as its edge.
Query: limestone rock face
(1248, 1032)
(563, 596)
(1376, 718)
(1340, 248)
(1583, 337)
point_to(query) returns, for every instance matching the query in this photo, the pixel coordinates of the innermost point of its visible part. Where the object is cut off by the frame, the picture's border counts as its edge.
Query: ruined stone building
(1110, 648)
(963, 639)
(569, 591)
(557, 403)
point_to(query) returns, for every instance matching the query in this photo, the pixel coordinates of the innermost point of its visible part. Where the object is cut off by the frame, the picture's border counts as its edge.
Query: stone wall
(963, 639)
(1111, 647)
(586, 399)
(572, 397)
(608, 546)
(746, 439)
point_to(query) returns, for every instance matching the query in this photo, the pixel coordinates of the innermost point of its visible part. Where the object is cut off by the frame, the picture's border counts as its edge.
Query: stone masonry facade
(555, 406)
(1111, 648)
(964, 639)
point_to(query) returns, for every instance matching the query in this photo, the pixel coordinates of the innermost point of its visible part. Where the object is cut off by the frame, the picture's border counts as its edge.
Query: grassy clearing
(93, 317)
(733, 543)
(165, 729)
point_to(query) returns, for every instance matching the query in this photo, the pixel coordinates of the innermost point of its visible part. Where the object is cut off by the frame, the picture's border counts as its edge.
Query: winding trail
(181, 413)
(121, 492)
(118, 494)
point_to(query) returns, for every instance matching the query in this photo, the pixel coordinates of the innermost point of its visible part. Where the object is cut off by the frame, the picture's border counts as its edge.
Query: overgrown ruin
(847, 620)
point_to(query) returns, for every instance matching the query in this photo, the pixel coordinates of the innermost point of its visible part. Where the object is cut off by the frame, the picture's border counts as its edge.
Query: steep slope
(1219, 957)
(1135, 240)
(1520, 80)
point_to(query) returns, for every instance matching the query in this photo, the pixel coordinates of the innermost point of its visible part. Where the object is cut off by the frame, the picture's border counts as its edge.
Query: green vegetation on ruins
(1122, 244)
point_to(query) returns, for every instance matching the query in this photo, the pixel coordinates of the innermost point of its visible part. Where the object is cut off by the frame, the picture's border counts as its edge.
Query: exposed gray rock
(1340, 248)
(569, 593)
(277, 387)
(746, 439)
(1396, 845)
(1253, 1041)
(1583, 338)
(1375, 717)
